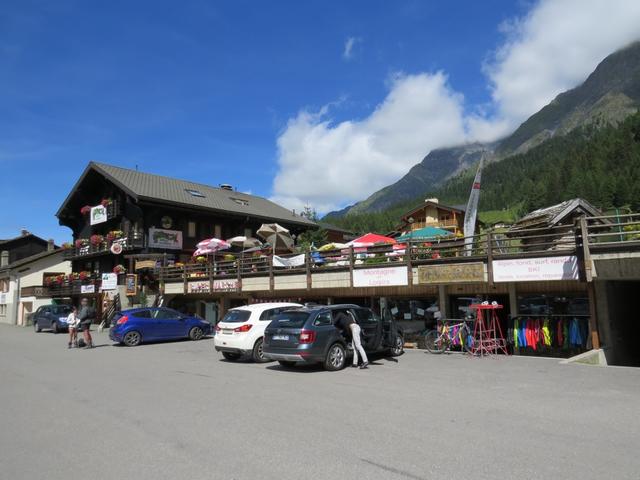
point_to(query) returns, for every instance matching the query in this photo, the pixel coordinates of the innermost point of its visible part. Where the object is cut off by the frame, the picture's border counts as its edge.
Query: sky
(316, 103)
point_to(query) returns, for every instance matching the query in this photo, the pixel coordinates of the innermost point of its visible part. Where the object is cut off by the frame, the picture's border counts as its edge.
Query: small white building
(21, 284)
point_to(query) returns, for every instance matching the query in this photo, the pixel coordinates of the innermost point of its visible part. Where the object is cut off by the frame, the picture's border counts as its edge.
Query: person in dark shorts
(86, 316)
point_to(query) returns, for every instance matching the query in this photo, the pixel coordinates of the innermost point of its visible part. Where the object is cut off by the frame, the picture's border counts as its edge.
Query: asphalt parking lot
(177, 411)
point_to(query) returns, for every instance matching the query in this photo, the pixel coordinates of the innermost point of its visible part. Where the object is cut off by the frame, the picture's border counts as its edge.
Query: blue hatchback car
(137, 325)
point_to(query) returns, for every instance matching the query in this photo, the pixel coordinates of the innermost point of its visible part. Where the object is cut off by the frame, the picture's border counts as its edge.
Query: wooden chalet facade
(119, 216)
(432, 213)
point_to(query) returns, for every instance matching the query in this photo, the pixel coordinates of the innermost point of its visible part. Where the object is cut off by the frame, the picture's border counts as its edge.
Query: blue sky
(214, 91)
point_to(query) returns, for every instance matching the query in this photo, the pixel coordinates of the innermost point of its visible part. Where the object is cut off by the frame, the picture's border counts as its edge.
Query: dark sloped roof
(172, 190)
(22, 237)
(333, 228)
(550, 216)
(27, 260)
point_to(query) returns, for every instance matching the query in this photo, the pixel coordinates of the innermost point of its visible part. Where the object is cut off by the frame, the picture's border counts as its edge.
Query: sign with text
(167, 239)
(109, 281)
(536, 269)
(202, 286)
(380, 277)
(98, 215)
(459, 273)
(87, 289)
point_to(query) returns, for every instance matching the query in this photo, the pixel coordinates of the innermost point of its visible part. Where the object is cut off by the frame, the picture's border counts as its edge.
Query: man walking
(346, 323)
(86, 316)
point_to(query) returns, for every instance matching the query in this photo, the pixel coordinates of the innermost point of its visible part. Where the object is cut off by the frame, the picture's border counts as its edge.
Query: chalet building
(432, 213)
(22, 283)
(123, 219)
(552, 228)
(23, 246)
(337, 234)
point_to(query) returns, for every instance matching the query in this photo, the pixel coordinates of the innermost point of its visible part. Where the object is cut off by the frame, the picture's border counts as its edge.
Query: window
(4, 285)
(143, 314)
(165, 314)
(61, 310)
(365, 317)
(323, 319)
(3, 310)
(236, 316)
(248, 232)
(195, 193)
(241, 201)
(272, 313)
(191, 229)
(217, 231)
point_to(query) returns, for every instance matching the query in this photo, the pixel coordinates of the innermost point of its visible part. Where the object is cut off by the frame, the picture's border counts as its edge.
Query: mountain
(610, 94)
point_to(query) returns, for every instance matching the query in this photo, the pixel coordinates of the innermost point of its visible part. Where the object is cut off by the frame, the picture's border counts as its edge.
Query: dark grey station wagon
(308, 335)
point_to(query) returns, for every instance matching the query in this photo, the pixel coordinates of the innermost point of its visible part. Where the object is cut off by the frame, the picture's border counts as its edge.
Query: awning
(426, 233)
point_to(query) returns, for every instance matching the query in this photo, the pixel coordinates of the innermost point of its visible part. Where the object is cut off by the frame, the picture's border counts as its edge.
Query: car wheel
(398, 346)
(36, 327)
(232, 357)
(196, 333)
(54, 327)
(336, 358)
(132, 339)
(258, 352)
(287, 363)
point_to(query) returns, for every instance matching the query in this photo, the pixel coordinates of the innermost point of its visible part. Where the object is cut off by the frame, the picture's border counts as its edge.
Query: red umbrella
(371, 239)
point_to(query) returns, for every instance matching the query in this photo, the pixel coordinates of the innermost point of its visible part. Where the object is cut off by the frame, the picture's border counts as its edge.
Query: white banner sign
(296, 261)
(98, 215)
(202, 286)
(380, 277)
(109, 281)
(168, 239)
(536, 269)
(87, 289)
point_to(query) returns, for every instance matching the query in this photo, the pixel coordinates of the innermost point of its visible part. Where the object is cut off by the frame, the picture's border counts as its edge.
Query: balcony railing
(134, 240)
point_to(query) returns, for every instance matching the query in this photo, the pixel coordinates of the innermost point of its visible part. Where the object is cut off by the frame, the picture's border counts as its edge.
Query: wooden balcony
(132, 241)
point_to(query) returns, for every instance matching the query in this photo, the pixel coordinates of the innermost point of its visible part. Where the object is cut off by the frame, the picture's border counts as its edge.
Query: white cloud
(326, 165)
(551, 49)
(349, 44)
(554, 48)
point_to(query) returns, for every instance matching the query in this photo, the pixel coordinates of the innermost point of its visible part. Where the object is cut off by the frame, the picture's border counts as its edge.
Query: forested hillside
(597, 162)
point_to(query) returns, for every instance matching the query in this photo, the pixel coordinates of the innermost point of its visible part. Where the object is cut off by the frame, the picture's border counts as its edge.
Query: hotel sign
(459, 273)
(380, 277)
(202, 286)
(167, 239)
(536, 269)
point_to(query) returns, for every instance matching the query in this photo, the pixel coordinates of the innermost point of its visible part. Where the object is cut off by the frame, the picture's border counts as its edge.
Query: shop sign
(536, 269)
(140, 264)
(459, 273)
(87, 289)
(109, 281)
(202, 286)
(98, 215)
(167, 239)
(380, 277)
(131, 284)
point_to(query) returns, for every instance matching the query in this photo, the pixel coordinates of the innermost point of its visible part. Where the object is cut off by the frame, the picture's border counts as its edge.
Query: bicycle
(441, 340)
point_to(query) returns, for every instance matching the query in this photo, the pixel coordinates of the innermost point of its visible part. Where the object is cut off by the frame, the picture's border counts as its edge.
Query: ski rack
(487, 333)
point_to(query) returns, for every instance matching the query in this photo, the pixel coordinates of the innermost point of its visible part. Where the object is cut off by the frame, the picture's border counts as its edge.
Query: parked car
(240, 333)
(52, 317)
(308, 335)
(137, 325)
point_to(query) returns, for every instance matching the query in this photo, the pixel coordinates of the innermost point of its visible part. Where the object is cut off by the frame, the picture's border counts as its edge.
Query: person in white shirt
(72, 323)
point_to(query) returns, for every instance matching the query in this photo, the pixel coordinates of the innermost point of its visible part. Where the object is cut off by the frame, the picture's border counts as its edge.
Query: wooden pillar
(513, 299)
(593, 316)
(442, 301)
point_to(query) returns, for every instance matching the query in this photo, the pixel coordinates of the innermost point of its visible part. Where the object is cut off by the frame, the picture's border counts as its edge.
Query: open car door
(371, 327)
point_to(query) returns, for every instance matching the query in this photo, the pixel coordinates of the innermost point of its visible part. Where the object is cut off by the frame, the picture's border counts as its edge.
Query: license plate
(227, 332)
(281, 337)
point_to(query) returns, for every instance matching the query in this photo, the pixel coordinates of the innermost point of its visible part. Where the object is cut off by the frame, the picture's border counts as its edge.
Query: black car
(308, 335)
(53, 317)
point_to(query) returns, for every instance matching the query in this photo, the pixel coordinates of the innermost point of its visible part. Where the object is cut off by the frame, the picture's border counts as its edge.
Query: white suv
(241, 331)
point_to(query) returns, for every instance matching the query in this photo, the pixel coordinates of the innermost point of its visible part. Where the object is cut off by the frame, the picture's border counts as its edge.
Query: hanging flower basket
(106, 202)
(85, 210)
(201, 259)
(96, 240)
(119, 269)
(114, 235)
(82, 242)
(60, 279)
(84, 275)
(72, 276)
